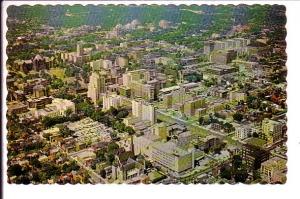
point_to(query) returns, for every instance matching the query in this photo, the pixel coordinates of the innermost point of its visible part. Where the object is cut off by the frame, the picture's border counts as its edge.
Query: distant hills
(215, 18)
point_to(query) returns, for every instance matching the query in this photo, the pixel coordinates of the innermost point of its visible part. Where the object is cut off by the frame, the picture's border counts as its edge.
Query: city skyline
(153, 94)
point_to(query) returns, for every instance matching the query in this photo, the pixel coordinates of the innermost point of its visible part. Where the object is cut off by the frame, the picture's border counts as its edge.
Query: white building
(101, 63)
(171, 157)
(243, 132)
(126, 79)
(111, 100)
(96, 87)
(143, 110)
(122, 61)
(58, 107)
(142, 144)
(237, 96)
(88, 130)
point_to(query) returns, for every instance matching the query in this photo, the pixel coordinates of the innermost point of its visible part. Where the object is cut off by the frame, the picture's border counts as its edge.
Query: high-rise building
(271, 131)
(190, 107)
(143, 110)
(253, 153)
(167, 100)
(111, 100)
(96, 86)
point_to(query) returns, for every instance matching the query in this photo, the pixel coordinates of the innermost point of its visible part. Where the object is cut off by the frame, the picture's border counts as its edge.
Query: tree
(100, 155)
(112, 147)
(256, 175)
(148, 164)
(23, 180)
(122, 114)
(50, 121)
(119, 126)
(97, 115)
(103, 173)
(69, 112)
(228, 127)
(51, 170)
(36, 177)
(217, 149)
(57, 83)
(68, 167)
(227, 107)
(255, 135)
(226, 172)
(110, 158)
(113, 111)
(36, 163)
(201, 120)
(86, 108)
(238, 117)
(15, 170)
(241, 175)
(237, 161)
(66, 132)
(129, 130)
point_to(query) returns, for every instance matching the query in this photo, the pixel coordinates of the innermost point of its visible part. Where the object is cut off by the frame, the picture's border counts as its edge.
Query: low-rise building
(16, 107)
(88, 131)
(142, 144)
(126, 169)
(243, 132)
(274, 170)
(58, 107)
(171, 157)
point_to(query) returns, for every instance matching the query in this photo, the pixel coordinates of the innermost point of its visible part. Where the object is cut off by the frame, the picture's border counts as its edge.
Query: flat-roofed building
(190, 106)
(96, 86)
(271, 131)
(221, 69)
(274, 170)
(143, 110)
(171, 157)
(111, 100)
(237, 96)
(254, 153)
(223, 57)
(90, 132)
(58, 107)
(39, 102)
(16, 107)
(142, 143)
(243, 132)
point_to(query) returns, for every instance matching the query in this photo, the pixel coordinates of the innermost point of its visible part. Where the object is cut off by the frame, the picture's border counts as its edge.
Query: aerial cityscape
(152, 94)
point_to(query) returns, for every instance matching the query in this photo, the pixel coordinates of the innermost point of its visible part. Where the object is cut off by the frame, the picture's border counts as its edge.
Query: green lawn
(58, 72)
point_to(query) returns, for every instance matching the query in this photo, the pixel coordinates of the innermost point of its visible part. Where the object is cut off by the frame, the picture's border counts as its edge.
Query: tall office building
(143, 110)
(96, 87)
